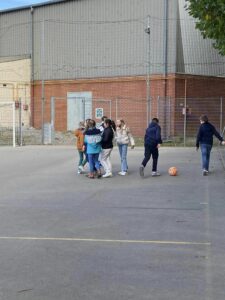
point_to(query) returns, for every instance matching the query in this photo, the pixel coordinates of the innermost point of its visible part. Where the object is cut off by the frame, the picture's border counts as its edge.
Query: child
(152, 143)
(93, 145)
(107, 146)
(123, 138)
(205, 140)
(79, 133)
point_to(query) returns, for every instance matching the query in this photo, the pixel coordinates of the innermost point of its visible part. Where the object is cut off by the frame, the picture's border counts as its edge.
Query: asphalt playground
(66, 237)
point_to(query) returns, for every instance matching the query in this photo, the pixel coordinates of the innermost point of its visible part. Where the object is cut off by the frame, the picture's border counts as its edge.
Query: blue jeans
(93, 162)
(123, 156)
(206, 150)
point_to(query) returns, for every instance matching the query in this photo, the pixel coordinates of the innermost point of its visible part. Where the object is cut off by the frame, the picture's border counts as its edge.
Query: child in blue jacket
(93, 147)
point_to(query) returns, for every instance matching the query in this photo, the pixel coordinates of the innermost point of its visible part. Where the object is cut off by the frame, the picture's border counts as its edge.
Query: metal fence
(55, 121)
(179, 117)
(9, 123)
(66, 113)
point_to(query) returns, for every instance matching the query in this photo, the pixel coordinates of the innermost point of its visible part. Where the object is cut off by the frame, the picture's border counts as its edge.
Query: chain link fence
(55, 120)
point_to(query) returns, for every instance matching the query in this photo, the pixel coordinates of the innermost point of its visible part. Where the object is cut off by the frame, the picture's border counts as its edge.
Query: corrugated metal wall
(199, 56)
(15, 34)
(98, 38)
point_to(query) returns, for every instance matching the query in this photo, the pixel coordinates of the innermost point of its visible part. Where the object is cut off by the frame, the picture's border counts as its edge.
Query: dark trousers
(151, 150)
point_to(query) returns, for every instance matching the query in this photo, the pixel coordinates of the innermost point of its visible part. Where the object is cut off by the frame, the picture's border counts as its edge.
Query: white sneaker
(107, 175)
(78, 172)
(205, 172)
(122, 173)
(154, 174)
(81, 169)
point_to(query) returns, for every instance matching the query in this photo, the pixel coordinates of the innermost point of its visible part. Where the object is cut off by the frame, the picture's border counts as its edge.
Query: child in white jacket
(123, 138)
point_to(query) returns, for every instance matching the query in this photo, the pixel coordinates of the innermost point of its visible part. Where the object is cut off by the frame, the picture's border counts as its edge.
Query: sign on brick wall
(99, 113)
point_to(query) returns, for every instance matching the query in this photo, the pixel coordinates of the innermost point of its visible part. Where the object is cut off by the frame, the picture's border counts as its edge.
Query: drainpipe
(165, 56)
(165, 38)
(32, 63)
(185, 111)
(42, 79)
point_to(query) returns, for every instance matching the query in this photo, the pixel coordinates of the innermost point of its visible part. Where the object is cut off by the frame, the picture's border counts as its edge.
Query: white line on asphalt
(103, 240)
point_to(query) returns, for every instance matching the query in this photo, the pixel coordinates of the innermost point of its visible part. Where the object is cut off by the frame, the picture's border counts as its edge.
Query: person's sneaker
(78, 172)
(81, 169)
(141, 171)
(205, 172)
(107, 175)
(122, 173)
(154, 174)
(99, 174)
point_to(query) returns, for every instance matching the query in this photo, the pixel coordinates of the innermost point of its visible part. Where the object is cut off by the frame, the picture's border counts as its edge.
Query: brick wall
(128, 98)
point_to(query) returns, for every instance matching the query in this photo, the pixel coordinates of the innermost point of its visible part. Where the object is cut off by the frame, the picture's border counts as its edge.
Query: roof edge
(4, 59)
(8, 10)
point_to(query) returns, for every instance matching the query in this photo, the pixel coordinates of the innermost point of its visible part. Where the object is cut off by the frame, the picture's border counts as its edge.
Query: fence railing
(179, 117)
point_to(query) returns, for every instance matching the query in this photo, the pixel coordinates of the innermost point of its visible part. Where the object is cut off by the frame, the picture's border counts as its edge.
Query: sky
(5, 4)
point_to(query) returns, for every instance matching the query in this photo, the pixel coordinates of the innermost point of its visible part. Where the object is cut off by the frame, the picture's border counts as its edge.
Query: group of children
(95, 145)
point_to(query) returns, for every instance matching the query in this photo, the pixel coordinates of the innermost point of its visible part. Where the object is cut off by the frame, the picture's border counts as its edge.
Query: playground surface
(66, 237)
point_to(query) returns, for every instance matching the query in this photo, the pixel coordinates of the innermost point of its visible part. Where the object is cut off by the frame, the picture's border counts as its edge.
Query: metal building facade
(198, 54)
(103, 38)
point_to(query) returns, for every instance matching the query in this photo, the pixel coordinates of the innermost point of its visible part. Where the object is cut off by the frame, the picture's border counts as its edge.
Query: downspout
(165, 39)
(165, 58)
(185, 111)
(32, 65)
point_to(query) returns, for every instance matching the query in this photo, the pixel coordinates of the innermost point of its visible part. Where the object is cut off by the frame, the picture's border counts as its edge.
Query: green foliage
(210, 20)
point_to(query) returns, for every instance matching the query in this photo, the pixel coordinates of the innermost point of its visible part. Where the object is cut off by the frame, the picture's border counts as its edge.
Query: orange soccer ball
(172, 171)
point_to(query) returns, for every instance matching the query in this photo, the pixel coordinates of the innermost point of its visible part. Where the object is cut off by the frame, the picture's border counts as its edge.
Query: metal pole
(158, 99)
(42, 81)
(169, 113)
(20, 122)
(148, 98)
(14, 125)
(32, 63)
(110, 107)
(185, 113)
(83, 108)
(116, 109)
(52, 119)
(221, 114)
(165, 39)
(53, 112)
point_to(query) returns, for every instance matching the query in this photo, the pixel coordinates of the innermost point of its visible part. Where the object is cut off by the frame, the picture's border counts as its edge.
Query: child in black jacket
(107, 146)
(205, 140)
(152, 143)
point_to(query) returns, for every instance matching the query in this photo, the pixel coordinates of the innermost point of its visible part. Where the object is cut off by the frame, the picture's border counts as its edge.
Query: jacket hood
(92, 131)
(153, 124)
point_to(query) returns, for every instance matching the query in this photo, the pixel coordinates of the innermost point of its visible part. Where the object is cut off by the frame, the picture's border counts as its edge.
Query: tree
(210, 15)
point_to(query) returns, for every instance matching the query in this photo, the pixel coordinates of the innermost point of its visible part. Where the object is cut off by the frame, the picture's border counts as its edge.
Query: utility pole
(148, 97)
(42, 81)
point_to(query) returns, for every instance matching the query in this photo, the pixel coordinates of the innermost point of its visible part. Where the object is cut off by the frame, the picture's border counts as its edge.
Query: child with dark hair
(152, 143)
(107, 146)
(101, 126)
(205, 140)
(113, 125)
(93, 148)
